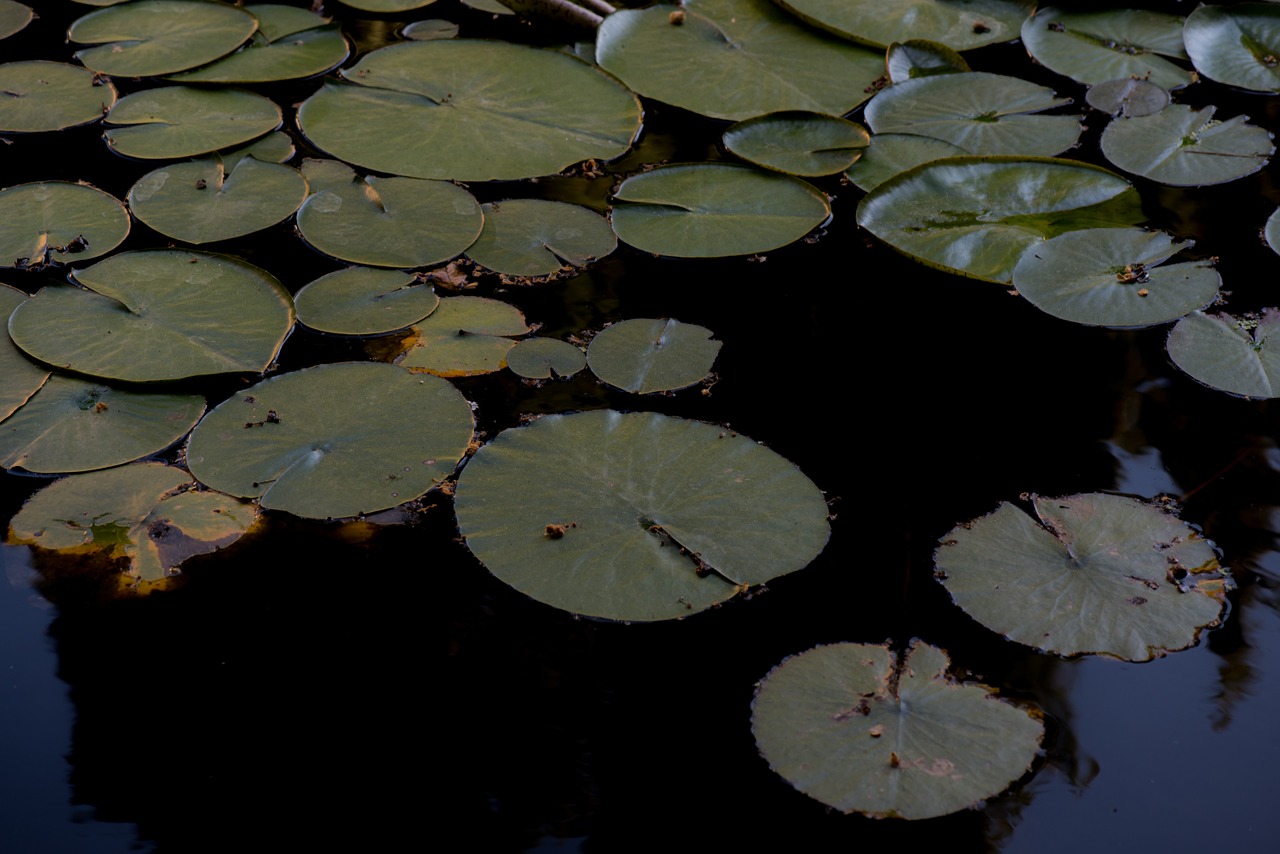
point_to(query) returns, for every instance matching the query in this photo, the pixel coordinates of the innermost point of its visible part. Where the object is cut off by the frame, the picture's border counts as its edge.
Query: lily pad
(544, 358)
(13, 17)
(432, 29)
(798, 143)
(1235, 355)
(158, 315)
(493, 7)
(290, 44)
(919, 58)
(335, 440)
(1093, 47)
(538, 237)
(387, 5)
(472, 111)
(1115, 277)
(42, 96)
(1238, 44)
(1127, 97)
(707, 210)
(386, 222)
(980, 112)
(19, 376)
(1185, 147)
(74, 425)
(702, 64)
(1271, 231)
(636, 516)
(182, 121)
(465, 336)
(977, 216)
(890, 154)
(202, 201)
(148, 38)
(146, 513)
(1095, 573)
(55, 222)
(958, 24)
(864, 729)
(275, 147)
(364, 301)
(647, 355)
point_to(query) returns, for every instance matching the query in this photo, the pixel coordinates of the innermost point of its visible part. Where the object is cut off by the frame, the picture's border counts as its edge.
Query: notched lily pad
(365, 301)
(544, 358)
(539, 237)
(1236, 44)
(865, 729)
(40, 96)
(890, 154)
(798, 143)
(55, 222)
(1127, 97)
(1185, 147)
(959, 24)
(1092, 47)
(19, 376)
(290, 44)
(1236, 355)
(183, 121)
(465, 336)
(922, 58)
(1095, 573)
(650, 355)
(153, 37)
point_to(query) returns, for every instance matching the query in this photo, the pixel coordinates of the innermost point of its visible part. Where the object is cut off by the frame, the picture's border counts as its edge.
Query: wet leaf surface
(1186, 147)
(544, 358)
(40, 96)
(465, 336)
(183, 121)
(364, 301)
(648, 355)
(539, 237)
(1236, 355)
(153, 37)
(58, 222)
(1116, 44)
(807, 144)
(1236, 44)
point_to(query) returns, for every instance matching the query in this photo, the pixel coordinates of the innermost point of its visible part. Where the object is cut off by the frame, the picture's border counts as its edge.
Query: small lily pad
(807, 144)
(958, 24)
(334, 441)
(55, 222)
(19, 376)
(290, 44)
(432, 29)
(645, 356)
(387, 6)
(544, 358)
(365, 301)
(865, 729)
(14, 16)
(890, 154)
(1271, 231)
(1236, 355)
(1095, 573)
(42, 96)
(921, 58)
(1185, 147)
(538, 237)
(183, 121)
(1237, 44)
(465, 336)
(636, 516)
(148, 38)
(1127, 97)
(1092, 47)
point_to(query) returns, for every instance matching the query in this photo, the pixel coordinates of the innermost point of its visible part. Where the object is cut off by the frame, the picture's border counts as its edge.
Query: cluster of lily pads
(619, 515)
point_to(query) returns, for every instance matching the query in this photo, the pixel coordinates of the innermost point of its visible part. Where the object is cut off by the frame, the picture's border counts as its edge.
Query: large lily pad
(704, 210)
(864, 729)
(1096, 573)
(19, 376)
(1236, 355)
(183, 121)
(1115, 277)
(290, 43)
(146, 513)
(636, 516)
(539, 237)
(74, 425)
(365, 301)
(465, 336)
(55, 222)
(648, 355)
(798, 143)
(959, 24)
(890, 154)
(977, 215)
(335, 440)
(1237, 44)
(1185, 147)
(42, 96)
(13, 17)
(158, 315)
(1093, 47)
(734, 59)
(152, 37)
(471, 111)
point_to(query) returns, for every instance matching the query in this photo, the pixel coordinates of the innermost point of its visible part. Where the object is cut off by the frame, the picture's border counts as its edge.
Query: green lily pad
(890, 154)
(1238, 44)
(364, 301)
(182, 121)
(13, 17)
(701, 64)
(202, 201)
(386, 222)
(493, 7)
(958, 24)
(1271, 231)
(1095, 573)
(864, 729)
(647, 355)
(146, 513)
(148, 38)
(636, 516)
(42, 96)
(19, 376)
(472, 111)
(74, 425)
(1185, 147)
(707, 210)
(977, 216)
(55, 222)
(158, 315)
(1114, 277)
(1127, 97)
(920, 58)
(465, 336)
(290, 44)
(432, 29)
(387, 5)
(537, 237)
(798, 143)
(1093, 47)
(335, 440)
(544, 358)
(1235, 355)
(980, 112)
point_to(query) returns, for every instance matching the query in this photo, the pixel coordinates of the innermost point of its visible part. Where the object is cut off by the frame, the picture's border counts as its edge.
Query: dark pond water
(315, 685)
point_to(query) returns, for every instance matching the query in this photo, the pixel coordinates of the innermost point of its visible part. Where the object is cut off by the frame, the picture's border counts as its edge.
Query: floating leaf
(158, 315)
(537, 237)
(636, 516)
(978, 215)
(645, 355)
(152, 37)
(78, 425)
(182, 121)
(13, 17)
(335, 440)
(544, 358)
(1238, 45)
(1184, 147)
(890, 154)
(921, 58)
(273, 148)
(42, 96)
(1127, 97)
(465, 336)
(1093, 47)
(147, 513)
(472, 111)
(1112, 277)
(798, 143)
(1271, 231)
(290, 44)
(493, 7)
(864, 729)
(703, 210)
(1096, 574)
(387, 5)
(958, 24)
(54, 222)
(19, 376)
(1232, 355)
(364, 301)
(703, 63)
(432, 29)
